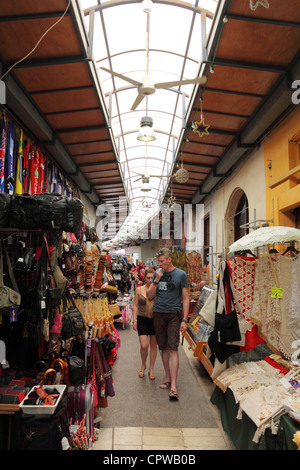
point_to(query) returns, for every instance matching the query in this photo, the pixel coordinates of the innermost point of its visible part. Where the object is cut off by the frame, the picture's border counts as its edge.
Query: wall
(281, 154)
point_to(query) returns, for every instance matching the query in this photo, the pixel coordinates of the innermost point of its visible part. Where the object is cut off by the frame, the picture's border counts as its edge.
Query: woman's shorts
(167, 329)
(145, 326)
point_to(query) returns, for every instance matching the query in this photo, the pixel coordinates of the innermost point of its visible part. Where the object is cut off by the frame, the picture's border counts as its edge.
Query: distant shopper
(169, 285)
(142, 313)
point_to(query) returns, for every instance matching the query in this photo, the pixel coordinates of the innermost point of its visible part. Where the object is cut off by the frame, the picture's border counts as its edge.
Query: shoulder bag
(73, 323)
(8, 297)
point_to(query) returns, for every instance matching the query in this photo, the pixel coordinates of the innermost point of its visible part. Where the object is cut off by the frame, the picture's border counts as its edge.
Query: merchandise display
(52, 308)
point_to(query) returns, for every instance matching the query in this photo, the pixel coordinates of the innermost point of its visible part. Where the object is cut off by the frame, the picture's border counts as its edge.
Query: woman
(142, 312)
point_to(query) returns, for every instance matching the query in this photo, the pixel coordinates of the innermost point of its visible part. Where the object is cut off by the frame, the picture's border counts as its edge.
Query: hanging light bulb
(147, 6)
(145, 187)
(146, 133)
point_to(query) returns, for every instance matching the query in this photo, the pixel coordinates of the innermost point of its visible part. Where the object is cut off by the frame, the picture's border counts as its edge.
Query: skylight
(166, 43)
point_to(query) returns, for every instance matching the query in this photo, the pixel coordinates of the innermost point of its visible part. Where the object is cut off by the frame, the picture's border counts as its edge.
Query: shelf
(199, 351)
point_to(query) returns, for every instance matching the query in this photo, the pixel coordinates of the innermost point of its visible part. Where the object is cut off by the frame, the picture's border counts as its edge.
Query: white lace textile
(258, 389)
(278, 319)
(242, 274)
(265, 310)
(294, 307)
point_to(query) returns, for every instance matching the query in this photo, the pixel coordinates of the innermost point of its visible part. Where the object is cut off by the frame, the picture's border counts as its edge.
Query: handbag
(114, 309)
(92, 375)
(53, 293)
(69, 263)
(24, 259)
(227, 327)
(73, 322)
(8, 297)
(109, 387)
(208, 311)
(76, 370)
(5, 200)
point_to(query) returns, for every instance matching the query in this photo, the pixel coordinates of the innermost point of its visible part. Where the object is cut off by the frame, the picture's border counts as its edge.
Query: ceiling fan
(145, 177)
(147, 87)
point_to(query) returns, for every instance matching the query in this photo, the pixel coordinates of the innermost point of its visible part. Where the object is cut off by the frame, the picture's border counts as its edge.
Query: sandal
(173, 395)
(151, 376)
(141, 373)
(165, 385)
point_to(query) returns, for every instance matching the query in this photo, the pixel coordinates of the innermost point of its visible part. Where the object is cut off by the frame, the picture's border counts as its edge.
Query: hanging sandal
(165, 385)
(173, 395)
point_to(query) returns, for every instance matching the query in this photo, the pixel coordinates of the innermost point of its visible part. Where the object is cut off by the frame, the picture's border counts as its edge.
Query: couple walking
(161, 294)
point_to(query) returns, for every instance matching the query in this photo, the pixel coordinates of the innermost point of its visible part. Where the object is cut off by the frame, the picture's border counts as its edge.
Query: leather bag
(92, 375)
(109, 387)
(8, 297)
(73, 323)
(5, 200)
(227, 326)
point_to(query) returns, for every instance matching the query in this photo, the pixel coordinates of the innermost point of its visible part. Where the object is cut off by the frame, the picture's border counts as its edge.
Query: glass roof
(161, 39)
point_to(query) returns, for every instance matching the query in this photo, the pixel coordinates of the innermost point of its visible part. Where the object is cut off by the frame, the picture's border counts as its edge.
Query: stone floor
(141, 416)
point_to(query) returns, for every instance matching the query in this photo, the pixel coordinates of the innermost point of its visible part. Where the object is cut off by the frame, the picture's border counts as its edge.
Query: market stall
(57, 336)
(253, 348)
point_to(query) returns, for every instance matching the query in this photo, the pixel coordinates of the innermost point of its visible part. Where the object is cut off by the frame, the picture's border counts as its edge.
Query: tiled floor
(144, 438)
(141, 417)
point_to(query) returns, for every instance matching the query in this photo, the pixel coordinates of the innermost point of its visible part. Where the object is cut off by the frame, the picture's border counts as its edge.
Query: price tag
(195, 321)
(276, 293)
(13, 314)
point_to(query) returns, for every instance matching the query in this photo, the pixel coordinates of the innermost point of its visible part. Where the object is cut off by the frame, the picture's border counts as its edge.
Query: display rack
(197, 332)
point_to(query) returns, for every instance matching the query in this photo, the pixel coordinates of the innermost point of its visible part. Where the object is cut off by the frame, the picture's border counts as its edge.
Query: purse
(109, 386)
(227, 327)
(92, 375)
(53, 293)
(73, 322)
(8, 297)
(26, 259)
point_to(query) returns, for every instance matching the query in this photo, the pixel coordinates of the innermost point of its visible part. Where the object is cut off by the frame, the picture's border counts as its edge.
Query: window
(241, 218)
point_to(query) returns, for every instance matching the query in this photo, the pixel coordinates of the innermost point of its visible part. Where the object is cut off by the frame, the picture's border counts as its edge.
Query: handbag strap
(10, 270)
(99, 361)
(92, 373)
(48, 264)
(1, 267)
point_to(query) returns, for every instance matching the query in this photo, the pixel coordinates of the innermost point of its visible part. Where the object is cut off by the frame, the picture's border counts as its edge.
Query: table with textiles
(254, 400)
(241, 431)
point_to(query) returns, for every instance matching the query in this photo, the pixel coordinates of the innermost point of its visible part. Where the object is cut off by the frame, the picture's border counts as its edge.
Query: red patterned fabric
(242, 271)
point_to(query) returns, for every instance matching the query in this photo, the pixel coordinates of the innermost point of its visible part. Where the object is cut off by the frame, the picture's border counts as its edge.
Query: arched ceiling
(81, 115)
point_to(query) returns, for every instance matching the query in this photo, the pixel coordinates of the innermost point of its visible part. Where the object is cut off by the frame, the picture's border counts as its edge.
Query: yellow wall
(281, 154)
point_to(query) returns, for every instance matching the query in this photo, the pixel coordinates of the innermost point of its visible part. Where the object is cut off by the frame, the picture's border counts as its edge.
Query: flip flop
(141, 374)
(151, 376)
(173, 395)
(165, 385)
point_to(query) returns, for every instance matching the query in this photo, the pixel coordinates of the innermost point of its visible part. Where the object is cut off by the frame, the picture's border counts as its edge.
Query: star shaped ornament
(254, 4)
(171, 201)
(201, 128)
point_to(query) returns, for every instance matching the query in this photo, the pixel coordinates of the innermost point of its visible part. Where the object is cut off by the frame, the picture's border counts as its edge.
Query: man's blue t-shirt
(169, 291)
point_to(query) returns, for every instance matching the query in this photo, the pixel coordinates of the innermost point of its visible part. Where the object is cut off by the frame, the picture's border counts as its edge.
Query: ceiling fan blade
(159, 176)
(123, 77)
(138, 100)
(201, 80)
(138, 179)
(140, 174)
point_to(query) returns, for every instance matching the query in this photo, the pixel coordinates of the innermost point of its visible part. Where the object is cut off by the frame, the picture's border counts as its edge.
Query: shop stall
(57, 335)
(253, 348)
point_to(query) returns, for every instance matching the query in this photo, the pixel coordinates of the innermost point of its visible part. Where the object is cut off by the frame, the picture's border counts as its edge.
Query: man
(169, 285)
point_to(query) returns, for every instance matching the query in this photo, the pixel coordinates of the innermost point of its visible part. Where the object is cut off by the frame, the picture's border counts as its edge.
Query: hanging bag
(73, 322)
(227, 324)
(54, 296)
(92, 375)
(8, 297)
(109, 386)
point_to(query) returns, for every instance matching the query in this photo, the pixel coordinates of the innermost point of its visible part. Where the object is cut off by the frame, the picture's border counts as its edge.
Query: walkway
(141, 416)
